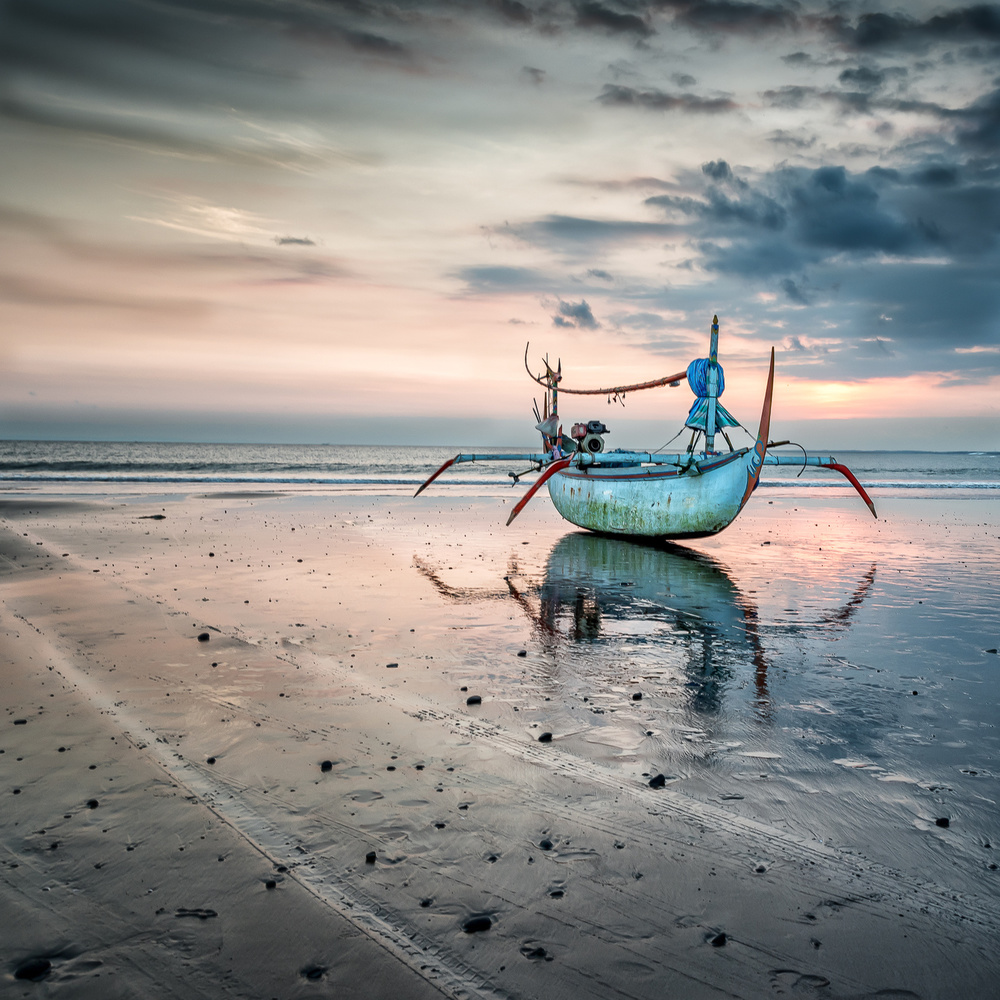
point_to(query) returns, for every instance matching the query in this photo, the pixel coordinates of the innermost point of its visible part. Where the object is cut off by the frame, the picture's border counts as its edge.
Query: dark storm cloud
(615, 95)
(903, 256)
(602, 17)
(512, 11)
(879, 30)
(730, 16)
(577, 314)
(981, 124)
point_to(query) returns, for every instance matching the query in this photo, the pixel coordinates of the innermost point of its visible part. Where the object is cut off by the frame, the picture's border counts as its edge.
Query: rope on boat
(616, 392)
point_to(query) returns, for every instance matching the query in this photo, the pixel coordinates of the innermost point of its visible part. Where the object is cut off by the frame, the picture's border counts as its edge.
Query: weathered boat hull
(653, 502)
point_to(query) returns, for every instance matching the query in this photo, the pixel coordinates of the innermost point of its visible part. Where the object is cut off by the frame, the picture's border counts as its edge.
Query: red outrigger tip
(553, 468)
(849, 476)
(427, 482)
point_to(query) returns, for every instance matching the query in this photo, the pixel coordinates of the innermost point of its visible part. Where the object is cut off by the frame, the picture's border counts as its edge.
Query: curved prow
(849, 476)
(427, 482)
(763, 429)
(553, 468)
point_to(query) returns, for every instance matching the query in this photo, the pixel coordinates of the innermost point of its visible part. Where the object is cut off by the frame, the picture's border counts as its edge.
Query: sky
(320, 221)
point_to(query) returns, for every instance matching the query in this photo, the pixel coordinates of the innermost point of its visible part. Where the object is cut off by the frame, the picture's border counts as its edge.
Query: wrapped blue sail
(697, 376)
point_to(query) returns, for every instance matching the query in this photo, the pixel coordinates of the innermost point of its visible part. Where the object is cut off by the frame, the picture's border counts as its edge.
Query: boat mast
(712, 387)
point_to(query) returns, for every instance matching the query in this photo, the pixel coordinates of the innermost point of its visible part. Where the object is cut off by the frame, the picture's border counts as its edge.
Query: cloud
(982, 131)
(597, 15)
(300, 241)
(615, 95)
(879, 30)
(782, 137)
(731, 16)
(532, 75)
(577, 314)
(503, 278)
(595, 272)
(561, 230)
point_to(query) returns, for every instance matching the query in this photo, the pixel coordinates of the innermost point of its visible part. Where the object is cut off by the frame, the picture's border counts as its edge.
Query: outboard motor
(590, 436)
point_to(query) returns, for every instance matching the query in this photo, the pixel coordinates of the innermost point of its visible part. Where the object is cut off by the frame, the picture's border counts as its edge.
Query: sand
(243, 755)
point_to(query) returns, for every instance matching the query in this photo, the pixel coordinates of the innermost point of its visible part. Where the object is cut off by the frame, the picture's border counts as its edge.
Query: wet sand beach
(313, 743)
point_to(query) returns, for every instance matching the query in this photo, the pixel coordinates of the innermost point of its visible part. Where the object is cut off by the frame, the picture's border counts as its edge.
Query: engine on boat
(590, 436)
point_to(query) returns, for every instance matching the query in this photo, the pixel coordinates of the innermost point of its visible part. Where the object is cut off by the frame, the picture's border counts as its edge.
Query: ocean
(366, 466)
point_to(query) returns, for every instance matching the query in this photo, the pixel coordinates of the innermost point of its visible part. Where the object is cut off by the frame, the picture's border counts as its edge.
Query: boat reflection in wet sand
(614, 592)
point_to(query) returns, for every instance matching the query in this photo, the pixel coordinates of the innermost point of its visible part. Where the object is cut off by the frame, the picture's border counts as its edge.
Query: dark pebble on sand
(327, 765)
(200, 914)
(658, 782)
(390, 666)
(270, 884)
(545, 845)
(637, 696)
(942, 821)
(17, 791)
(473, 699)
(210, 760)
(545, 738)
(476, 924)
(93, 803)
(34, 969)
(760, 869)
(426, 902)
(719, 940)
(203, 637)
(313, 972)
(522, 652)
(535, 954)
(20, 722)
(993, 651)
(370, 858)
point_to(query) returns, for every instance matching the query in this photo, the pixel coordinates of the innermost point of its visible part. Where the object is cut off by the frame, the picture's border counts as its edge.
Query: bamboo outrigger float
(647, 494)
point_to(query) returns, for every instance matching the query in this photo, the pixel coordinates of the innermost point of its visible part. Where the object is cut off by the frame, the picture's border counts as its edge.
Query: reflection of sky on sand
(675, 613)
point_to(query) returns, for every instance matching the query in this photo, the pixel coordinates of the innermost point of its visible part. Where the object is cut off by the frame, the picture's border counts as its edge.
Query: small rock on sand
(34, 969)
(473, 699)
(545, 738)
(475, 925)
(942, 821)
(370, 858)
(203, 637)
(658, 782)
(327, 765)
(719, 940)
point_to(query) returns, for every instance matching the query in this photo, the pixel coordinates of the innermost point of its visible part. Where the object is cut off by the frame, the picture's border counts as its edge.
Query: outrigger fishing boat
(693, 494)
